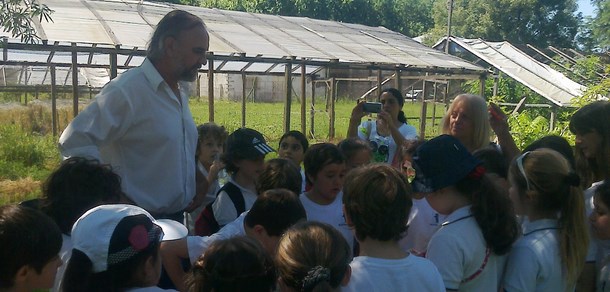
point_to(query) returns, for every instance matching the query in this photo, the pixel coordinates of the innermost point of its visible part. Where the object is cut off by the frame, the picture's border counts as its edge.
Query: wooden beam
(211, 88)
(288, 100)
(74, 82)
(303, 98)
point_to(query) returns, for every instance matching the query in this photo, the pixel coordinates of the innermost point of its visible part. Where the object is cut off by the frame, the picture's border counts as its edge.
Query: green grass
(28, 150)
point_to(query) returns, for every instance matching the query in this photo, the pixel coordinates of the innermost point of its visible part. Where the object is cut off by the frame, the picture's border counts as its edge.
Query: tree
(16, 18)
(600, 25)
(540, 23)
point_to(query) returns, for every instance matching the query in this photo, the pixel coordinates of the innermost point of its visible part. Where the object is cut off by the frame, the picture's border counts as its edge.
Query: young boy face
(251, 168)
(328, 182)
(46, 278)
(291, 148)
(209, 150)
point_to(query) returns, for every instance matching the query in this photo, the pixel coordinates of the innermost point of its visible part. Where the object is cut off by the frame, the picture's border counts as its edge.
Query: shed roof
(234, 35)
(540, 77)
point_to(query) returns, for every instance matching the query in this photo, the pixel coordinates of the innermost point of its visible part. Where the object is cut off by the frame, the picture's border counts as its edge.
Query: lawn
(28, 152)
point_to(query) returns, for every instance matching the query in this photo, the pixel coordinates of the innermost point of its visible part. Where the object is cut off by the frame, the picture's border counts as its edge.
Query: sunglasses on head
(522, 170)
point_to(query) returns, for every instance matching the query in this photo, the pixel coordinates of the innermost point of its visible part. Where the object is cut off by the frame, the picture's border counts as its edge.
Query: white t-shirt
(197, 245)
(331, 214)
(368, 131)
(411, 273)
(534, 263)
(223, 207)
(304, 182)
(459, 251)
(423, 222)
(189, 218)
(593, 242)
(64, 254)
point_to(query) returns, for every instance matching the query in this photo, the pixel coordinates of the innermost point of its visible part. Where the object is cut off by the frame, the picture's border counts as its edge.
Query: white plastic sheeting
(540, 77)
(129, 24)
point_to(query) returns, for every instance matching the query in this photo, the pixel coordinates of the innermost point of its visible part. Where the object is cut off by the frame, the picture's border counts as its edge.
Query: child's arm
(172, 254)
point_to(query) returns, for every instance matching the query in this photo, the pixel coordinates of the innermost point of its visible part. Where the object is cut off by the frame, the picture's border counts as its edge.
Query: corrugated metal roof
(540, 77)
(130, 24)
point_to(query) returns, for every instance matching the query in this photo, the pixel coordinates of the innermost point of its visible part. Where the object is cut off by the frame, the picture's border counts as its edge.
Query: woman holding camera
(387, 131)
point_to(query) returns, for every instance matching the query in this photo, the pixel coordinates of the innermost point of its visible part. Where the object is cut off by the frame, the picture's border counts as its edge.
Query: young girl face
(328, 182)
(360, 158)
(513, 194)
(590, 143)
(251, 168)
(291, 148)
(390, 104)
(600, 219)
(209, 150)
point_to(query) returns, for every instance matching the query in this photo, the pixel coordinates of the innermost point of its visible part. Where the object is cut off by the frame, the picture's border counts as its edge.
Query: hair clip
(477, 172)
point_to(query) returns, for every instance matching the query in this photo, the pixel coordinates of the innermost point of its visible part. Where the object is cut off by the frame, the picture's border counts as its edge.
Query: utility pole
(447, 41)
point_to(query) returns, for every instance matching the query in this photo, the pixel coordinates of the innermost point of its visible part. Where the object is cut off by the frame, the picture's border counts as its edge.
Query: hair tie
(572, 179)
(477, 172)
(316, 275)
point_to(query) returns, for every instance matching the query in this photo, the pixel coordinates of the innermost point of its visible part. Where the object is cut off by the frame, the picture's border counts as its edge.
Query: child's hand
(497, 119)
(216, 167)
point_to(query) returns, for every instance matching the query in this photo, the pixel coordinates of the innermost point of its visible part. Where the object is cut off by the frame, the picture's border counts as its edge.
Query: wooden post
(198, 87)
(553, 118)
(243, 99)
(5, 49)
(398, 81)
(379, 80)
(211, 86)
(53, 101)
(496, 80)
(422, 116)
(331, 112)
(434, 106)
(303, 97)
(482, 86)
(312, 110)
(288, 100)
(113, 65)
(74, 80)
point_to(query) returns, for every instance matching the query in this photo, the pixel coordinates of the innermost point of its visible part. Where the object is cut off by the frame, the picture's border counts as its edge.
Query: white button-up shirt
(139, 126)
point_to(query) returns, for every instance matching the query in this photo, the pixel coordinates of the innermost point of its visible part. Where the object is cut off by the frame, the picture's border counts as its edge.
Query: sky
(585, 7)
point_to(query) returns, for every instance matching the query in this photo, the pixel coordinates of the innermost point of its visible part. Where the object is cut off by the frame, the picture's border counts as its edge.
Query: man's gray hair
(170, 26)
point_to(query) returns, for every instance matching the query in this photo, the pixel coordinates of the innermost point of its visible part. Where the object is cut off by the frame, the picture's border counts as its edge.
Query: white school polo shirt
(534, 263)
(423, 223)
(331, 214)
(459, 250)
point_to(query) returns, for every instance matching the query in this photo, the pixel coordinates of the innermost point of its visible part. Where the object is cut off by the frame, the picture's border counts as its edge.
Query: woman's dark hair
(236, 264)
(493, 212)
(78, 185)
(29, 238)
(400, 99)
(593, 117)
(320, 155)
(557, 143)
(79, 275)
(297, 135)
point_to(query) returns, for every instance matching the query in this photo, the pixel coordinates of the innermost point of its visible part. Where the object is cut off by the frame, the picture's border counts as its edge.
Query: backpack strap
(236, 197)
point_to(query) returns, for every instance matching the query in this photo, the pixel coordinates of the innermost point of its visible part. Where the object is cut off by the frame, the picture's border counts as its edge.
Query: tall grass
(28, 150)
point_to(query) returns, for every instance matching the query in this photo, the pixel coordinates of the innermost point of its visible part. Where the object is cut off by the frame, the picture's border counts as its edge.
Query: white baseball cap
(111, 234)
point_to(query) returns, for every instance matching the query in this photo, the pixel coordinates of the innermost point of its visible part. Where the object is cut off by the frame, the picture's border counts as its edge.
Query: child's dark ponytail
(492, 210)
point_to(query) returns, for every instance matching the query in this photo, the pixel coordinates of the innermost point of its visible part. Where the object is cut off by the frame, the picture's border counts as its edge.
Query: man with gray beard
(141, 124)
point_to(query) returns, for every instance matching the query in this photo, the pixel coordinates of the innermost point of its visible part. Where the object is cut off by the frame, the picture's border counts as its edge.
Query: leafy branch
(16, 18)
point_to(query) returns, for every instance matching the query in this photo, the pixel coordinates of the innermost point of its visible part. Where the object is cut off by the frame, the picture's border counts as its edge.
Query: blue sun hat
(441, 162)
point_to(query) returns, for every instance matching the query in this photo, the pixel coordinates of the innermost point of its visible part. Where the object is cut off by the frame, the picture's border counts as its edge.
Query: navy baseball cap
(441, 162)
(248, 143)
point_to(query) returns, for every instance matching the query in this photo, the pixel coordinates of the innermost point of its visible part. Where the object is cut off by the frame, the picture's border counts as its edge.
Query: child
(30, 245)
(470, 247)
(244, 160)
(377, 202)
(116, 248)
(279, 173)
(78, 185)
(357, 152)
(552, 251)
(325, 169)
(235, 264)
(273, 212)
(293, 146)
(312, 256)
(210, 145)
(600, 226)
